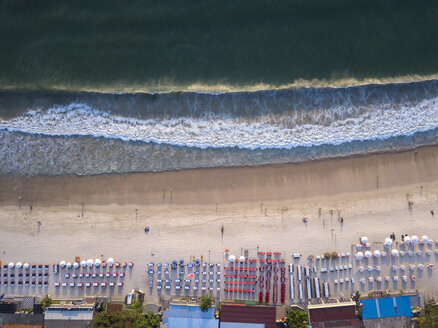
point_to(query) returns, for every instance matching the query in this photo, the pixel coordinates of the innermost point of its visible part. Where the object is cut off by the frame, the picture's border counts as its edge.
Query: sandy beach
(259, 207)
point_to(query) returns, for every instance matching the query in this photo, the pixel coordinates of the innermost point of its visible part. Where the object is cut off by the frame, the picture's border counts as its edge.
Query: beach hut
(110, 262)
(388, 242)
(90, 263)
(232, 258)
(97, 263)
(76, 265)
(62, 264)
(424, 239)
(242, 259)
(414, 240)
(359, 256)
(368, 254)
(19, 265)
(68, 265)
(395, 253)
(364, 239)
(26, 266)
(377, 253)
(407, 240)
(83, 263)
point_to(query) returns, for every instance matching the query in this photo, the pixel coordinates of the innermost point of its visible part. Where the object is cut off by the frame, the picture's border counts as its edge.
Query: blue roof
(386, 307)
(190, 316)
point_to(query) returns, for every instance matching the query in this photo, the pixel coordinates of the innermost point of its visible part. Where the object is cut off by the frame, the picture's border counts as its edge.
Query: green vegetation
(206, 302)
(46, 301)
(133, 317)
(430, 317)
(154, 44)
(296, 319)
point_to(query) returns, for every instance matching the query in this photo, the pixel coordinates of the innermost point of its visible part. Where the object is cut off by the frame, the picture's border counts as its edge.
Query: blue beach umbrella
(174, 262)
(181, 262)
(197, 262)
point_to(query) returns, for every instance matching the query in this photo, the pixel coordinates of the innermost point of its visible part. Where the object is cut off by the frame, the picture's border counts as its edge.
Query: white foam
(267, 131)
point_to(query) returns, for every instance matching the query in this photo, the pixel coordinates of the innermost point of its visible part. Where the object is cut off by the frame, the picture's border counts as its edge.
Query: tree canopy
(206, 302)
(296, 319)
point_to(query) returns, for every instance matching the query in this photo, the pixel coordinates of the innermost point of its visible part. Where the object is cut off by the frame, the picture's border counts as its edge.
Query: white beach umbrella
(395, 252)
(76, 265)
(407, 240)
(62, 264)
(388, 242)
(368, 254)
(232, 258)
(26, 266)
(68, 265)
(90, 263)
(83, 263)
(110, 262)
(97, 262)
(364, 239)
(242, 258)
(11, 265)
(414, 240)
(377, 253)
(424, 239)
(19, 265)
(359, 256)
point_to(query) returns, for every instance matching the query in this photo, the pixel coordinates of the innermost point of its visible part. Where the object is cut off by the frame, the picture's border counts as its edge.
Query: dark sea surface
(171, 45)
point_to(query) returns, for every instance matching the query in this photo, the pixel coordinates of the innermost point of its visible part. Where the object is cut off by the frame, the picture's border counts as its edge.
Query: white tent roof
(364, 239)
(359, 256)
(388, 242)
(377, 253)
(395, 252)
(232, 258)
(242, 258)
(368, 254)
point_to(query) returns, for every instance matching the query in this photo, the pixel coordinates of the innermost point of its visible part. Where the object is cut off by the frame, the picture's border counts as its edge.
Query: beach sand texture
(258, 207)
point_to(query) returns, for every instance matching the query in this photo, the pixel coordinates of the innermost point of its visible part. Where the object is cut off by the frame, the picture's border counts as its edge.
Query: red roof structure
(249, 314)
(333, 315)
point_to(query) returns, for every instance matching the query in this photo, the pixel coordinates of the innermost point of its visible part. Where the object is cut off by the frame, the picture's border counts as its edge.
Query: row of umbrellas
(368, 254)
(89, 263)
(232, 259)
(407, 240)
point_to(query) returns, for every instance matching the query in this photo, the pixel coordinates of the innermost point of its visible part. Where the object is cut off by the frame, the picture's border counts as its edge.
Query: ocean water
(59, 133)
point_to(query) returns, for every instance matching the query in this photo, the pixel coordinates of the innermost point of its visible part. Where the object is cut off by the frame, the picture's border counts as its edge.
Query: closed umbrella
(388, 242)
(368, 254)
(232, 258)
(359, 256)
(377, 253)
(395, 252)
(364, 239)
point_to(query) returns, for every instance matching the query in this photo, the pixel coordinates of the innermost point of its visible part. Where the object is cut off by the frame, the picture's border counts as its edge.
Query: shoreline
(228, 184)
